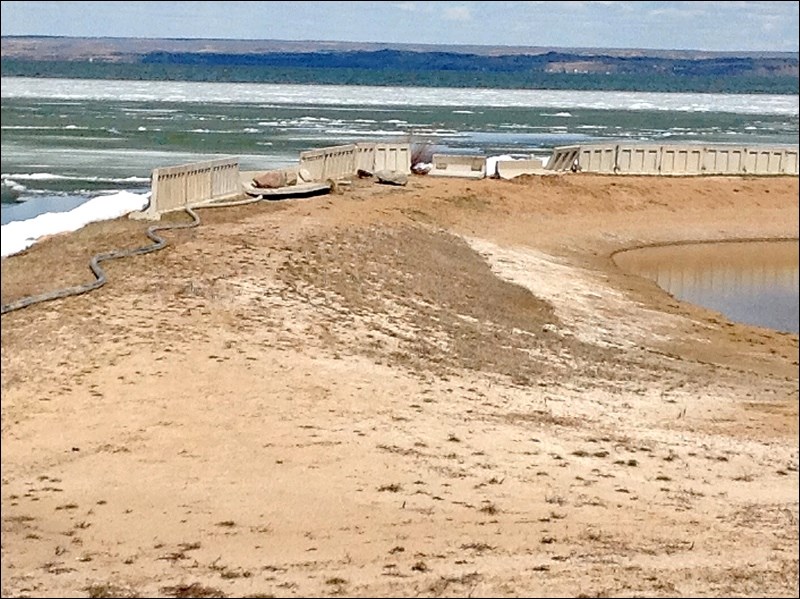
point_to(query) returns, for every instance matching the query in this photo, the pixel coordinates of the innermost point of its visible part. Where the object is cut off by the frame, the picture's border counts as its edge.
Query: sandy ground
(446, 389)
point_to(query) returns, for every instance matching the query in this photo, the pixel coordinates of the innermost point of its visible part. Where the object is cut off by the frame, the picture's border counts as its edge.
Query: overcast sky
(693, 25)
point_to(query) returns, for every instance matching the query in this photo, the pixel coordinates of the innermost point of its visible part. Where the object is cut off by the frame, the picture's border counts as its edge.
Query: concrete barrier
(563, 158)
(447, 165)
(329, 163)
(719, 161)
(176, 187)
(675, 159)
(770, 161)
(790, 162)
(365, 157)
(392, 157)
(596, 159)
(643, 160)
(508, 169)
(344, 161)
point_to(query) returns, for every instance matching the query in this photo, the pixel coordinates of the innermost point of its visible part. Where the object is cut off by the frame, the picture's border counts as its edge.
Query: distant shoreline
(341, 63)
(20, 44)
(366, 77)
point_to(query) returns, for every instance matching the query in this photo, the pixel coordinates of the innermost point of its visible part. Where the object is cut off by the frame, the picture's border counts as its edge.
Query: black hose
(99, 273)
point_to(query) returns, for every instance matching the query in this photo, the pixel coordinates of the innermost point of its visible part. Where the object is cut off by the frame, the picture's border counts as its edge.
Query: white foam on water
(34, 176)
(363, 132)
(30, 128)
(17, 236)
(271, 94)
(53, 177)
(13, 185)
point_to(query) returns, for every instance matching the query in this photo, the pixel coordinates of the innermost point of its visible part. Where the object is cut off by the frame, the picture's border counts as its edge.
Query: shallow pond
(752, 282)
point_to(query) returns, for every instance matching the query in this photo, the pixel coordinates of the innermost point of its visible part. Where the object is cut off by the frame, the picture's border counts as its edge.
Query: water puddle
(752, 282)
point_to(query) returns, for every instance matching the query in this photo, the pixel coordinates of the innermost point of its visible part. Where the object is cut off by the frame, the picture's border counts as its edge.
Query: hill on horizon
(362, 63)
(126, 48)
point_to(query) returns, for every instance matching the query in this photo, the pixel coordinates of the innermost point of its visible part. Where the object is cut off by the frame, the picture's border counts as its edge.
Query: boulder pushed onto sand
(270, 180)
(391, 177)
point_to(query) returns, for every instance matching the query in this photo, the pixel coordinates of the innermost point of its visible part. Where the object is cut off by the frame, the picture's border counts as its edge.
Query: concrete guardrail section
(508, 169)
(677, 159)
(344, 161)
(563, 158)
(365, 157)
(392, 157)
(176, 187)
(329, 163)
(454, 165)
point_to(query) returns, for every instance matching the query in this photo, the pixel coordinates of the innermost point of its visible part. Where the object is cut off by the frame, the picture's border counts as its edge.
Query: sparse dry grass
(431, 302)
(195, 589)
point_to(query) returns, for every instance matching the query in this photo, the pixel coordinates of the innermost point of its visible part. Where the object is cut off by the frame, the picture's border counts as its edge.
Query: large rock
(270, 180)
(391, 177)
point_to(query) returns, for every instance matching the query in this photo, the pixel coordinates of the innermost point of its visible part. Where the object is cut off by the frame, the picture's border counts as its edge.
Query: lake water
(752, 282)
(65, 141)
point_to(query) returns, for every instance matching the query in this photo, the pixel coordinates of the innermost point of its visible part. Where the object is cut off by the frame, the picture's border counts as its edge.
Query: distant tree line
(399, 60)
(399, 69)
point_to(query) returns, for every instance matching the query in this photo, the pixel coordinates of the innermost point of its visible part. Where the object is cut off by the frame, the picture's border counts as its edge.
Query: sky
(691, 25)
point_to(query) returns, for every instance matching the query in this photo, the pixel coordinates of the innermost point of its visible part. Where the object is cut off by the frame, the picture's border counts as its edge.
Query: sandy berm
(444, 389)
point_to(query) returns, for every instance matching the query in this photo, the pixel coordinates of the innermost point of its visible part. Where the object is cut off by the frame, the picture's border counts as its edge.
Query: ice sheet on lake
(20, 235)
